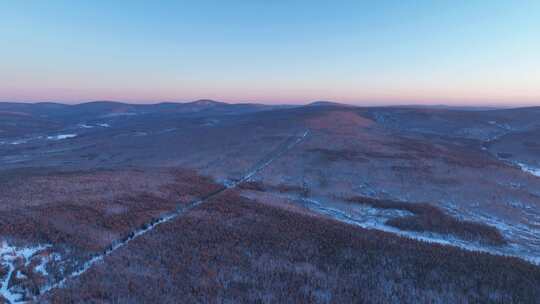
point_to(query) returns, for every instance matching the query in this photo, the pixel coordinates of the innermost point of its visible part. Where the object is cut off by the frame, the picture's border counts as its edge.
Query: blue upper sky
(364, 52)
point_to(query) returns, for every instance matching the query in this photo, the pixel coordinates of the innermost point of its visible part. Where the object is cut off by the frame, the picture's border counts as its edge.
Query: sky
(359, 52)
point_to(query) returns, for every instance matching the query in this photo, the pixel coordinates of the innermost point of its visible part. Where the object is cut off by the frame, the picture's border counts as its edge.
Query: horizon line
(292, 103)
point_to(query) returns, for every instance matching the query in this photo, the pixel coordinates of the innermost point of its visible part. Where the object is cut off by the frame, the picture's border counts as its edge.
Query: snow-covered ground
(61, 136)
(370, 218)
(91, 126)
(531, 170)
(524, 238)
(18, 141)
(26, 140)
(14, 259)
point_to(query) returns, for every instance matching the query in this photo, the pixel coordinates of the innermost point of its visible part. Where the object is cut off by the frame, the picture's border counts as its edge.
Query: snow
(61, 136)
(20, 276)
(368, 220)
(529, 169)
(88, 126)
(4, 290)
(19, 142)
(12, 257)
(40, 268)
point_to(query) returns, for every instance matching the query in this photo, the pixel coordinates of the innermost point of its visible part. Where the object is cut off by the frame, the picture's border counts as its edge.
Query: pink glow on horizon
(498, 91)
(78, 96)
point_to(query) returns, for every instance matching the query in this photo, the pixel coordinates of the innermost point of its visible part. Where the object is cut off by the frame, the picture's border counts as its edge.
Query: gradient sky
(363, 52)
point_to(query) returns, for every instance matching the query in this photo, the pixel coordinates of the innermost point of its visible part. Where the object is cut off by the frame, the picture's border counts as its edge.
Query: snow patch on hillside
(529, 169)
(90, 126)
(61, 136)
